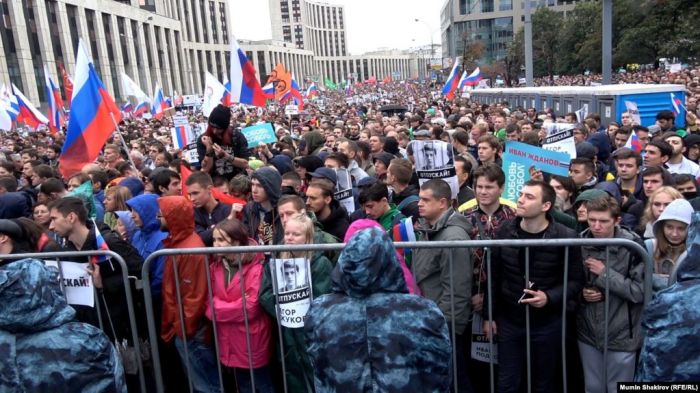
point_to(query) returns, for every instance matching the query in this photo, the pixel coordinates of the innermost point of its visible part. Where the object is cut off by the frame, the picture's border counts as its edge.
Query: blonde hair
(648, 216)
(309, 231)
(121, 194)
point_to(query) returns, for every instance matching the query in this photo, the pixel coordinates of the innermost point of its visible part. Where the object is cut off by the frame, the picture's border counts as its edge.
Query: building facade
(493, 22)
(321, 28)
(171, 42)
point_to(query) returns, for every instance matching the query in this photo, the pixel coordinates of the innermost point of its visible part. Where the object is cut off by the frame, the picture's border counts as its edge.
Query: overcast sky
(371, 24)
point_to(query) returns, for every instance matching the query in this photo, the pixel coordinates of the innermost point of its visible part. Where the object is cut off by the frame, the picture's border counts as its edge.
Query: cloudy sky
(371, 24)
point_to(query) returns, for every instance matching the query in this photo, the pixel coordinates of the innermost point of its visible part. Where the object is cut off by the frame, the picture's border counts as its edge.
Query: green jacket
(299, 371)
(388, 219)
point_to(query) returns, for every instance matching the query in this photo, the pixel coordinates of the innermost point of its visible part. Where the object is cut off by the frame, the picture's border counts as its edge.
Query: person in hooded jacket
(404, 342)
(630, 211)
(299, 229)
(177, 218)
(260, 216)
(314, 142)
(44, 348)
(148, 238)
(125, 226)
(668, 247)
(671, 322)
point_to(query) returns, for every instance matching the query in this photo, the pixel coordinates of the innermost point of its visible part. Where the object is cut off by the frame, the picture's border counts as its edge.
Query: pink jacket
(230, 324)
(359, 225)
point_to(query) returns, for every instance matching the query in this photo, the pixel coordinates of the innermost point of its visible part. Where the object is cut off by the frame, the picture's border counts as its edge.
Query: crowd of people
(381, 319)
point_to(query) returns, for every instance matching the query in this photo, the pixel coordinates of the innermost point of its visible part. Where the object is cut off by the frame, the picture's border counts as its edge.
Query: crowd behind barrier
(218, 265)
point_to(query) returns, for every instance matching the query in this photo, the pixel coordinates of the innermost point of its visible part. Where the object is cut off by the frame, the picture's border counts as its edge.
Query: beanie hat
(590, 195)
(585, 150)
(220, 117)
(255, 164)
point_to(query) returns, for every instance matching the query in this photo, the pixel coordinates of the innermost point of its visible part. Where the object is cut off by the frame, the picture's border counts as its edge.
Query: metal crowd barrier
(470, 244)
(68, 256)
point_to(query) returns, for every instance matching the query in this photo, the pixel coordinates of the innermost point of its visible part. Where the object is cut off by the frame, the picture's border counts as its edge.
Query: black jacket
(411, 209)
(546, 272)
(337, 222)
(203, 221)
(113, 287)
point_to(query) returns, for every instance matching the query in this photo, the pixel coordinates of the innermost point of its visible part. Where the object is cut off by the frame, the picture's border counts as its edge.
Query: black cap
(11, 229)
(325, 173)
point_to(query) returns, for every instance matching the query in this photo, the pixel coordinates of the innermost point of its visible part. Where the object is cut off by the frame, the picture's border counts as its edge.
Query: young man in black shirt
(222, 151)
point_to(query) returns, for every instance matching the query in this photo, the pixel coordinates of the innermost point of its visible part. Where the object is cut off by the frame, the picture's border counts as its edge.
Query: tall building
(172, 42)
(321, 28)
(493, 22)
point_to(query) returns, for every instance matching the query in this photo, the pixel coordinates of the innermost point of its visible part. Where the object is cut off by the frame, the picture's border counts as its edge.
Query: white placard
(292, 287)
(435, 160)
(77, 282)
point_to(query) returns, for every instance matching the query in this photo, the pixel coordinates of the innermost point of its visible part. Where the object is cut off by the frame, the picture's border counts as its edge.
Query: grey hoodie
(432, 268)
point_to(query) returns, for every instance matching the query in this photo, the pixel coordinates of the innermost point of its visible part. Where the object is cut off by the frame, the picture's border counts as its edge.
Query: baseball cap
(325, 173)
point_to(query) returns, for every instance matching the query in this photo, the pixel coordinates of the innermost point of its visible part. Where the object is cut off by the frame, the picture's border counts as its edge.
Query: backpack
(407, 201)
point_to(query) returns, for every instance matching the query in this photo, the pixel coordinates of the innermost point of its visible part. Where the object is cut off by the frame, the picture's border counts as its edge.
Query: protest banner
(343, 190)
(76, 282)
(633, 110)
(259, 133)
(434, 160)
(481, 349)
(181, 133)
(560, 137)
(520, 160)
(291, 110)
(291, 279)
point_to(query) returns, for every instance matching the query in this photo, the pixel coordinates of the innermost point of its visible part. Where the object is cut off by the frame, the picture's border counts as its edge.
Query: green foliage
(643, 32)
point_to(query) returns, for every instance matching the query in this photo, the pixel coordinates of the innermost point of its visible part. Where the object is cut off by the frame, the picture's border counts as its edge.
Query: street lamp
(430, 32)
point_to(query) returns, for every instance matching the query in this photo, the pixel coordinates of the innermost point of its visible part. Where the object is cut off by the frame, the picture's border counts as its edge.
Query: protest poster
(633, 110)
(343, 190)
(434, 160)
(520, 160)
(481, 348)
(291, 110)
(582, 113)
(181, 133)
(560, 137)
(259, 133)
(292, 288)
(76, 282)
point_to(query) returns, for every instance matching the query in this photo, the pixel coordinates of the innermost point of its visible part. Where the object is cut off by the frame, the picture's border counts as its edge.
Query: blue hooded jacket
(131, 228)
(369, 334)
(14, 205)
(43, 348)
(671, 322)
(149, 238)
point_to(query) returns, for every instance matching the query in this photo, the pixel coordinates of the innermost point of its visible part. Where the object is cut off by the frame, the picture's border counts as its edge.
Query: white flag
(213, 92)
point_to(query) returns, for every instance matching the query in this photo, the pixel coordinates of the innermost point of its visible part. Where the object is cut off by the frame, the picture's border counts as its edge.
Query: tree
(515, 59)
(473, 51)
(546, 25)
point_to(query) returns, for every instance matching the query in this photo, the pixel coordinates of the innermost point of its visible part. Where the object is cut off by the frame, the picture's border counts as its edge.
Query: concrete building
(494, 22)
(169, 41)
(321, 28)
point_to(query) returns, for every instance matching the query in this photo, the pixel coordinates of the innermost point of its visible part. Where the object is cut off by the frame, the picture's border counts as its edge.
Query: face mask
(690, 195)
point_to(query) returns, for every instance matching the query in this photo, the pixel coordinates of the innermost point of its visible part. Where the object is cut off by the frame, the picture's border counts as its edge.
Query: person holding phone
(222, 151)
(538, 287)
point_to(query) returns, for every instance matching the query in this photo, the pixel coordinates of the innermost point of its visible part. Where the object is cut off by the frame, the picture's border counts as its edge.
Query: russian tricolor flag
(101, 246)
(11, 104)
(473, 78)
(180, 139)
(226, 99)
(634, 143)
(245, 88)
(93, 117)
(677, 104)
(311, 91)
(27, 113)
(348, 87)
(159, 104)
(127, 107)
(451, 84)
(294, 94)
(56, 118)
(141, 108)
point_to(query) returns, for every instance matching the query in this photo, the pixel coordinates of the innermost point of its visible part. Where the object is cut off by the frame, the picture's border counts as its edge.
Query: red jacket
(230, 323)
(179, 216)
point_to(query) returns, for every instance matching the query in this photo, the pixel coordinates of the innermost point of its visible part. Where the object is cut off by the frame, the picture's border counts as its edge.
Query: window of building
(203, 14)
(109, 38)
(224, 27)
(214, 26)
(505, 5)
(196, 22)
(486, 5)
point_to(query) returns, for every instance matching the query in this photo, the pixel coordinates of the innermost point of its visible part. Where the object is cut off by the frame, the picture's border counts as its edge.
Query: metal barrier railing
(469, 244)
(60, 257)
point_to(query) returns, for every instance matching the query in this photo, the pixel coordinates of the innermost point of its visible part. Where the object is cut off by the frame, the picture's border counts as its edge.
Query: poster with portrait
(560, 137)
(434, 160)
(343, 190)
(291, 284)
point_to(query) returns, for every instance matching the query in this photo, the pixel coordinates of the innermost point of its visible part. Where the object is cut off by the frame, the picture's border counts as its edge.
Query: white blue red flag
(159, 104)
(451, 84)
(473, 78)
(28, 114)
(245, 87)
(677, 104)
(93, 117)
(53, 96)
(311, 91)
(634, 143)
(101, 246)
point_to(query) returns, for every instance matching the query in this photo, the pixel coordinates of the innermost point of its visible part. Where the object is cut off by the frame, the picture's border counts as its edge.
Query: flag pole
(126, 147)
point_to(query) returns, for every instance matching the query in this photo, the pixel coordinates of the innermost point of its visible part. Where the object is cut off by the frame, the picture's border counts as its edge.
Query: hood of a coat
(611, 188)
(126, 219)
(31, 298)
(314, 140)
(146, 206)
(179, 216)
(271, 181)
(449, 218)
(690, 268)
(282, 163)
(368, 265)
(678, 210)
